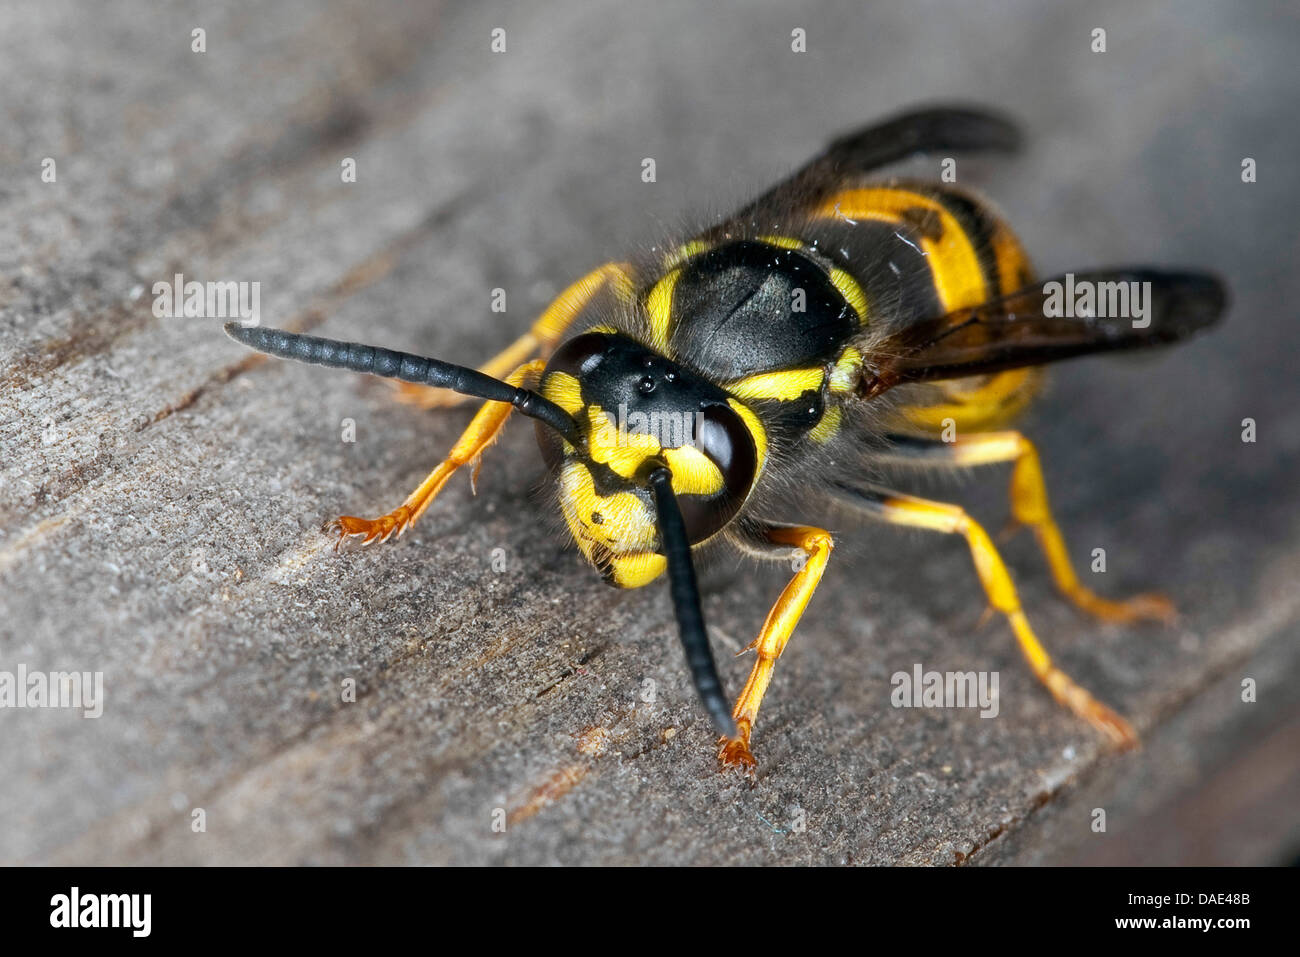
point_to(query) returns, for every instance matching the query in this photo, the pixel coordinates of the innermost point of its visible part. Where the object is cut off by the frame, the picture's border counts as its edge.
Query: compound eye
(580, 355)
(728, 443)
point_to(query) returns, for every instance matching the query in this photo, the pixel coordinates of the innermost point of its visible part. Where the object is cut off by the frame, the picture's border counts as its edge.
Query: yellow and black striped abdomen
(921, 250)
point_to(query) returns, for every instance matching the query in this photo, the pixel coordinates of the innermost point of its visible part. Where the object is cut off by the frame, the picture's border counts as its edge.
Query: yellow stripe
(977, 403)
(785, 385)
(844, 374)
(852, 292)
(693, 472)
(659, 306)
(624, 452)
(785, 242)
(953, 262)
(755, 429)
(824, 430)
(685, 252)
(564, 390)
(625, 524)
(634, 571)
(1014, 269)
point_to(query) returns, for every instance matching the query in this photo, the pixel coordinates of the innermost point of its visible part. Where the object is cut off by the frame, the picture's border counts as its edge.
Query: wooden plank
(160, 492)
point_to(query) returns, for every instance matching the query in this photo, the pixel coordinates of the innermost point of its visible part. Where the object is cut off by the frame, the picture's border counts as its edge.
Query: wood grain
(161, 490)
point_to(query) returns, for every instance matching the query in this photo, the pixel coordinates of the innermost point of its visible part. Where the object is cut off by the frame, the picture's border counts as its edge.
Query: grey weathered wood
(160, 492)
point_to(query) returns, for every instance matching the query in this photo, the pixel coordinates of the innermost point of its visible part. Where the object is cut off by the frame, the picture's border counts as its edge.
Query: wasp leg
(482, 432)
(544, 335)
(897, 509)
(1029, 506)
(813, 546)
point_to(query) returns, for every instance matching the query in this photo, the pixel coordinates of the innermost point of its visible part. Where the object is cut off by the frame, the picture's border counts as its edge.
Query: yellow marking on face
(785, 242)
(825, 430)
(844, 374)
(953, 262)
(659, 306)
(624, 451)
(620, 522)
(564, 390)
(755, 429)
(786, 384)
(614, 531)
(633, 571)
(850, 289)
(693, 472)
(685, 252)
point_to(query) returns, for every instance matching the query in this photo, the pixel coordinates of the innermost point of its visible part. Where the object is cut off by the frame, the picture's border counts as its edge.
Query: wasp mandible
(834, 325)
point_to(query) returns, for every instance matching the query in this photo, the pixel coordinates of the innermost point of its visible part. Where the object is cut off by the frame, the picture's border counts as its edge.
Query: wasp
(698, 397)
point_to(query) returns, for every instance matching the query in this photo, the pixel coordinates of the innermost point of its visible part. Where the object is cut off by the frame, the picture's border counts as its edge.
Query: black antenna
(686, 602)
(407, 367)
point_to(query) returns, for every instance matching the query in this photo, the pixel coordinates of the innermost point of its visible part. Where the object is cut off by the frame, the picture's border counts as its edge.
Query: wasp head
(639, 410)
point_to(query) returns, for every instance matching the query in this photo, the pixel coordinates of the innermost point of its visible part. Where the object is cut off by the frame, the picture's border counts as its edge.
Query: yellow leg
(1029, 506)
(482, 432)
(952, 519)
(544, 335)
(781, 620)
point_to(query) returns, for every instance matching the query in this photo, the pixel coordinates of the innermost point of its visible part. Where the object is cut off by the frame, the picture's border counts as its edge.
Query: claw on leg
(816, 544)
(375, 530)
(734, 752)
(482, 432)
(898, 509)
(1148, 606)
(1002, 596)
(1078, 700)
(1030, 508)
(397, 521)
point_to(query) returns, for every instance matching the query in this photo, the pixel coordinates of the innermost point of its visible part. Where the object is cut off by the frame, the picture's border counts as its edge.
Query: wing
(1049, 321)
(929, 130)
